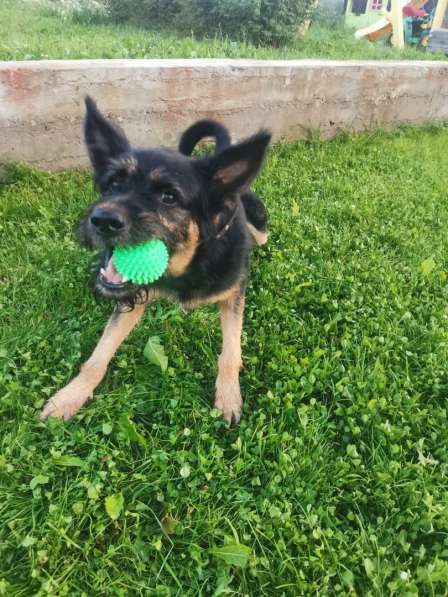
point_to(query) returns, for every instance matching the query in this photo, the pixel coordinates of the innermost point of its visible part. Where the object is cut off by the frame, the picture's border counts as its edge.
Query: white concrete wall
(41, 103)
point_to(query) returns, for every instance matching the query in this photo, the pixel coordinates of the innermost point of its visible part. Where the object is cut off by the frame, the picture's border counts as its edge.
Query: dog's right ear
(103, 139)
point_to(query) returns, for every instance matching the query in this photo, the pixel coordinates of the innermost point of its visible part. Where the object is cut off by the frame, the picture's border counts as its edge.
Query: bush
(81, 11)
(235, 18)
(261, 21)
(149, 12)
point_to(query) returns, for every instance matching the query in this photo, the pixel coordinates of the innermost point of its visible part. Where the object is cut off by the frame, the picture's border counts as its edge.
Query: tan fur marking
(259, 237)
(169, 225)
(211, 299)
(131, 164)
(185, 252)
(67, 402)
(228, 395)
(156, 174)
(193, 304)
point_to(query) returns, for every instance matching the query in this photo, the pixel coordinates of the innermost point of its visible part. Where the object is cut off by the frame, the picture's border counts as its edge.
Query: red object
(411, 11)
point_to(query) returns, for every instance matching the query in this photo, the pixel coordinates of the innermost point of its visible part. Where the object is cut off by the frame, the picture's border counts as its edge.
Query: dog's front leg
(228, 395)
(70, 399)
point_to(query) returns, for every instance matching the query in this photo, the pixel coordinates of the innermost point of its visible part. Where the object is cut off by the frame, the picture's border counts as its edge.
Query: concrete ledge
(41, 103)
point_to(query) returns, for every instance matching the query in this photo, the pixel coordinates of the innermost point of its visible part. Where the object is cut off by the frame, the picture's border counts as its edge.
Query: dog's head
(159, 194)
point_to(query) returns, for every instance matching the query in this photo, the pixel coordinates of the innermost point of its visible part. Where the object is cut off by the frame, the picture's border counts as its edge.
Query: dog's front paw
(66, 403)
(228, 400)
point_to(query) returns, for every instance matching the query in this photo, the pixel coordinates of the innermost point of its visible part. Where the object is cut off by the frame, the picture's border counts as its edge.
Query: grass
(27, 32)
(336, 478)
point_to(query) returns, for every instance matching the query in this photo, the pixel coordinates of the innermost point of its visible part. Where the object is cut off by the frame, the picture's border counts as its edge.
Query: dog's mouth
(109, 281)
(108, 274)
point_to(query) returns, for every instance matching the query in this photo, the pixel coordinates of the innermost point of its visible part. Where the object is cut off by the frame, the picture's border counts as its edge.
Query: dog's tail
(200, 130)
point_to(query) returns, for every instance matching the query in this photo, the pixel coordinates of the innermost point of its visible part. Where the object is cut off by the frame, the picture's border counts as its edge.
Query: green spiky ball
(142, 264)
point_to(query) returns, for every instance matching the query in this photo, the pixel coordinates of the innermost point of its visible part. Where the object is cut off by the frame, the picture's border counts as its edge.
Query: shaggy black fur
(199, 206)
(253, 206)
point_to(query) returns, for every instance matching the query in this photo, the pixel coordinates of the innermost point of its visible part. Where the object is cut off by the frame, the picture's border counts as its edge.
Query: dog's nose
(107, 223)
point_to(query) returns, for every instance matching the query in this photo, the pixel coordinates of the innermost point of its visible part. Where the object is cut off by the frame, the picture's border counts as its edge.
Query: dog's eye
(168, 198)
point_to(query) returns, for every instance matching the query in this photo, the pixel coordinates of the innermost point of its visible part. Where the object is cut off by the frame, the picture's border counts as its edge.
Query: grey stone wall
(41, 103)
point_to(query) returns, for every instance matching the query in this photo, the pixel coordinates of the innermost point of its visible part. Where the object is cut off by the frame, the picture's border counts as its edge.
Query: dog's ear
(234, 168)
(103, 139)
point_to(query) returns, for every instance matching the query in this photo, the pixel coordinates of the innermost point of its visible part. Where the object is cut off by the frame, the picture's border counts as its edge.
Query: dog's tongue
(111, 275)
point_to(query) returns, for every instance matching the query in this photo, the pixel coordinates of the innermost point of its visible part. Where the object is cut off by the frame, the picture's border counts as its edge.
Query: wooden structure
(392, 24)
(438, 40)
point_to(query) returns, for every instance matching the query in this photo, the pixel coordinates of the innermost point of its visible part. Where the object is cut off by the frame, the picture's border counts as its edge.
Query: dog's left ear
(234, 168)
(103, 139)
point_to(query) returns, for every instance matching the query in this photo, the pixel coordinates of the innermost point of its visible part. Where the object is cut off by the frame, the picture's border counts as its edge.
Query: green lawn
(336, 478)
(27, 32)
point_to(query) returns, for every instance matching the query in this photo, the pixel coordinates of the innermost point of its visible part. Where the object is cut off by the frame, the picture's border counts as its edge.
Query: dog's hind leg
(257, 217)
(259, 236)
(228, 395)
(69, 400)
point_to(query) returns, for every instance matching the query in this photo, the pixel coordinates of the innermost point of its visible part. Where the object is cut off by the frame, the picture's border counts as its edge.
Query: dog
(202, 208)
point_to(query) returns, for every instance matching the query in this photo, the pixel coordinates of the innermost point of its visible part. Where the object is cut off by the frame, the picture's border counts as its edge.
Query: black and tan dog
(202, 209)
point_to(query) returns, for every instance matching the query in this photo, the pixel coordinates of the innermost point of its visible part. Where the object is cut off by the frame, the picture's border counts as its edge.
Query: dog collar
(225, 229)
